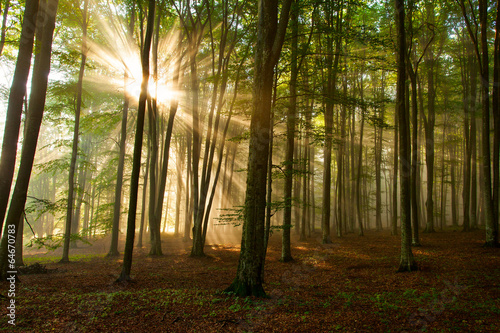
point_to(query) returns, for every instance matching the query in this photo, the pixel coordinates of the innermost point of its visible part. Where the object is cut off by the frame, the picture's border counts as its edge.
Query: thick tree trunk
(489, 210)
(407, 262)
(14, 220)
(270, 38)
(15, 105)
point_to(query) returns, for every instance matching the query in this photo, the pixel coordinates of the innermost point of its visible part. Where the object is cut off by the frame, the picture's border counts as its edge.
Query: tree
(4, 25)
(33, 122)
(332, 64)
(76, 133)
(136, 162)
(286, 254)
(270, 36)
(113, 251)
(407, 262)
(15, 106)
(429, 124)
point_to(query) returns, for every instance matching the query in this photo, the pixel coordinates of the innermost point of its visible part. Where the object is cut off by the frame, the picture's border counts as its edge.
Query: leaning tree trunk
(33, 123)
(15, 106)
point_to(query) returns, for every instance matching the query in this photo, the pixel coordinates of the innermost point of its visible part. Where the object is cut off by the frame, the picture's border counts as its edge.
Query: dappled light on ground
(350, 285)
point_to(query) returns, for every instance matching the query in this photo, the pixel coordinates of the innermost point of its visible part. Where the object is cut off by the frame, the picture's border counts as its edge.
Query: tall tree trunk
(76, 132)
(496, 119)
(394, 209)
(467, 73)
(136, 162)
(113, 251)
(270, 36)
(407, 263)
(14, 220)
(360, 166)
(15, 105)
(181, 151)
(379, 130)
(143, 199)
(489, 207)
(332, 68)
(286, 254)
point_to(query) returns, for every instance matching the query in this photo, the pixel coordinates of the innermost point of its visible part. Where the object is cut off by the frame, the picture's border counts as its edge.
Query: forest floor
(348, 286)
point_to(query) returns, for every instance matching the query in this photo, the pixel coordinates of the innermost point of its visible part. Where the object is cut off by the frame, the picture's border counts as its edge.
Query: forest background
(301, 115)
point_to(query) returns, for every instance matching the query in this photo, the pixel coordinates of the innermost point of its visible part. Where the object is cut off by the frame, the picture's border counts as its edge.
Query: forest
(249, 166)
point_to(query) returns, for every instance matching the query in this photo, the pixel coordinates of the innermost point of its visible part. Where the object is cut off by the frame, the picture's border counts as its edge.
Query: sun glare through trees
(249, 166)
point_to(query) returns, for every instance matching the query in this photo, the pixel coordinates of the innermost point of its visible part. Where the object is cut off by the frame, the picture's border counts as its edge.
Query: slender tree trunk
(4, 25)
(144, 197)
(332, 68)
(467, 73)
(360, 167)
(74, 151)
(286, 254)
(394, 208)
(454, 204)
(269, 193)
(181, 150)
(136, 162)
(113, 251)
(496, 119)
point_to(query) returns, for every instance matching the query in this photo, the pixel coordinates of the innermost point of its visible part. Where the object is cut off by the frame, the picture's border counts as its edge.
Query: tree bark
(15, 105)
(407, 262)
(33, 122)
(270, 36)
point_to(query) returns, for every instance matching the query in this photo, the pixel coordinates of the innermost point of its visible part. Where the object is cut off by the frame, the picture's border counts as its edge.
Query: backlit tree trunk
(270, 36)
(136, 162)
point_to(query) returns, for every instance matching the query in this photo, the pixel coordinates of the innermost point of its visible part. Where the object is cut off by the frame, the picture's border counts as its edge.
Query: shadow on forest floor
(349, 286)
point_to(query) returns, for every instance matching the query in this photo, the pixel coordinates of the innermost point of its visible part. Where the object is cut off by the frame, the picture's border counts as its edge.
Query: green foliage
(53, 242)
